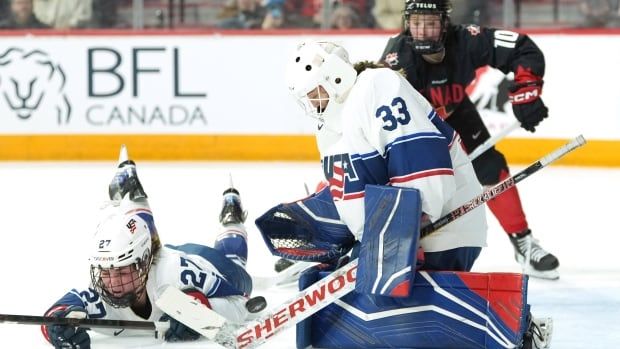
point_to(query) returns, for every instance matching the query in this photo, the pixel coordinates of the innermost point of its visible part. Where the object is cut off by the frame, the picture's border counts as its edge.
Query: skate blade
(527, 269)
(539, 274)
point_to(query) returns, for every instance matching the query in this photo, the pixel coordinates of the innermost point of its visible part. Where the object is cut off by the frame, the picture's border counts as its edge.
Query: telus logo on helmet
(425, 6)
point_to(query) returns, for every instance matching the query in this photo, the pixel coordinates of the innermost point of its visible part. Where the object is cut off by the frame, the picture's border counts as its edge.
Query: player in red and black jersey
(440, 60)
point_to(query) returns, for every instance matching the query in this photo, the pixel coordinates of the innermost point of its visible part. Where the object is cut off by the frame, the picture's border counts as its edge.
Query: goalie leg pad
(389, 245)
(447, 310)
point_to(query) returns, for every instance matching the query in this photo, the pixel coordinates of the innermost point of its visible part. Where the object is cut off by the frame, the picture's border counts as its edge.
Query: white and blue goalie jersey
(386, 133)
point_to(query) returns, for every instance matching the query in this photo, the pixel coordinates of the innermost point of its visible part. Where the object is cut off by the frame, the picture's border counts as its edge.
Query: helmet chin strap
(436, 57)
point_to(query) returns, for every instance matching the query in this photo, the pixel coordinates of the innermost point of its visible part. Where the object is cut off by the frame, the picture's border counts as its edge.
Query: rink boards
(198, 95)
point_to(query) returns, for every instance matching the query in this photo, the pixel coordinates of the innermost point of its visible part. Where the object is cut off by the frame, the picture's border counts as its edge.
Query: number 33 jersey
(386, 133)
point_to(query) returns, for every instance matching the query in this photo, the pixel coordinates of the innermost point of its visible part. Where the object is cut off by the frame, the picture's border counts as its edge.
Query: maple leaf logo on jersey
(391, 59)
(473, 29)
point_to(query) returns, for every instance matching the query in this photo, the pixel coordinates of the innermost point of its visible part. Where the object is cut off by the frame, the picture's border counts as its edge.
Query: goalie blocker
(395, 306)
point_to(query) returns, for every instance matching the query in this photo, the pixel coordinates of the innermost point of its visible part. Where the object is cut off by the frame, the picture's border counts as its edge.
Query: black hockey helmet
(436, 7)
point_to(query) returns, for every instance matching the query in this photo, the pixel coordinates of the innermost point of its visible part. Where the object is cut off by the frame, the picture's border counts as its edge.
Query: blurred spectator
(358, 6)
(600, 13)
(242, 14)
(363, 9)
(4, 10)
(388, 14)
(105, 14)
(300, 13)
(21, 16)
(344, 17)
(274, 15)
(470, 12)
(64, 14)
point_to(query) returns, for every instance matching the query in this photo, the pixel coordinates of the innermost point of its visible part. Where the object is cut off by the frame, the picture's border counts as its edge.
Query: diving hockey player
(128, 265)
(440, 60)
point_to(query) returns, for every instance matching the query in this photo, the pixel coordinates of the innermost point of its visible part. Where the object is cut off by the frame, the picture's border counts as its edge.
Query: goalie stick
(214, 327)
(339, 283)
(502, 186)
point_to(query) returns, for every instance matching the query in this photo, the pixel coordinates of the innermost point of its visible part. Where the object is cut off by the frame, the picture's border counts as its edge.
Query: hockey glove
(527, 106)
(178, 332)
(63, 336)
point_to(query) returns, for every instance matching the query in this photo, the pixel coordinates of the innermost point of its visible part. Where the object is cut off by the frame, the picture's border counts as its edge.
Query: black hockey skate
(232, 210)
(538, 334)
(542, 264)
(126, 180)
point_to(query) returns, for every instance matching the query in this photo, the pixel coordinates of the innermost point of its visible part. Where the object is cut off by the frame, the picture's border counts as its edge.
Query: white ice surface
(48, 210)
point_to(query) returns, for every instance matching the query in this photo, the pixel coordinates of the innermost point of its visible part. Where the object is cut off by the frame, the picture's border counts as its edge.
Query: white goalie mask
(122, 253)
(320, 75)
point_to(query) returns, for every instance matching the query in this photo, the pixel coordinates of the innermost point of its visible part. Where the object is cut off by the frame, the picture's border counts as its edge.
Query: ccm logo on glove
(525, 94)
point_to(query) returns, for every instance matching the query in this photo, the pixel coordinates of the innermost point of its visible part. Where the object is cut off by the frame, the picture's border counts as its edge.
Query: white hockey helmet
(125, 239)
(317, 64)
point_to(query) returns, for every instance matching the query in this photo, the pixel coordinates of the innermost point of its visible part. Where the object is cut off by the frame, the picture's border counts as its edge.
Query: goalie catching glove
(306, 230)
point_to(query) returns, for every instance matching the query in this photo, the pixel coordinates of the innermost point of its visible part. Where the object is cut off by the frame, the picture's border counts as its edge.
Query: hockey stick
(502, 186)
(160, 327)
(340, 282)
(491, 141)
